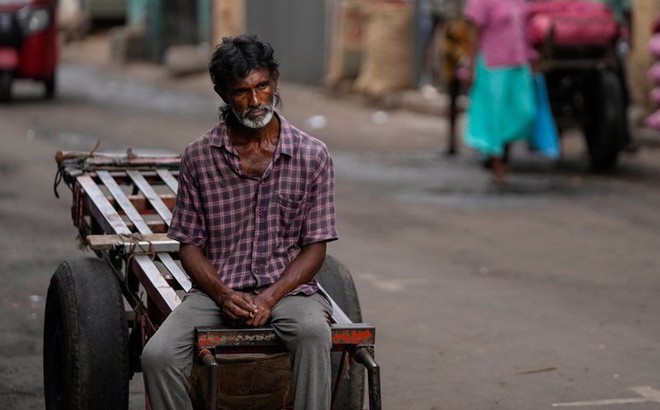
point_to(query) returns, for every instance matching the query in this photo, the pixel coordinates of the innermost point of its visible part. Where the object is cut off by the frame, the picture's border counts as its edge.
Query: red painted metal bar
(343, 337)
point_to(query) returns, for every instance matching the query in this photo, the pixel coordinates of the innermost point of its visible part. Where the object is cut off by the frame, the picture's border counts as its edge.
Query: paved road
(538, 296)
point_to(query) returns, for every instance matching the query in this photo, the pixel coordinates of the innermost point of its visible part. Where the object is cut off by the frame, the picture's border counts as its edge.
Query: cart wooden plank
(159, 242)
(151, 195)
(135, 217)
(101, 208)
(160, 292)
(338, 315)
(124, 202)
(176, 271)
(169, 179)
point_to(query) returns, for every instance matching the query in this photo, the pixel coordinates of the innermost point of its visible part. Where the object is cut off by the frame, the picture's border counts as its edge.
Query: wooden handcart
(101, 310)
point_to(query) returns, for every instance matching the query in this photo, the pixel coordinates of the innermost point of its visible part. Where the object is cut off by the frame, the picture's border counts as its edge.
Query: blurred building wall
(374, 46)
(297, 30)
(371, 41)
(228, 19)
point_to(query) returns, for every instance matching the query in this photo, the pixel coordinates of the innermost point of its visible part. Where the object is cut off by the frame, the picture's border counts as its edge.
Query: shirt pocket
(290, 209)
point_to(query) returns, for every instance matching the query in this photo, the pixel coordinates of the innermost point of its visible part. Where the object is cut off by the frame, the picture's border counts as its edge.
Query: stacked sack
(653, 120)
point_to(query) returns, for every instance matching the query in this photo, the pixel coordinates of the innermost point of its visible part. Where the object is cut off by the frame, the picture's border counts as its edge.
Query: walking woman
(502, 104)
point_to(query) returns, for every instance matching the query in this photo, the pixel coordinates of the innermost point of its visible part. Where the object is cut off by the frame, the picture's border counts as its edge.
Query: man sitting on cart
(254, 210)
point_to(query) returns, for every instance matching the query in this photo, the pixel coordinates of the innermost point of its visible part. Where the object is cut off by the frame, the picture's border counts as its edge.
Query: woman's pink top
(502, 23)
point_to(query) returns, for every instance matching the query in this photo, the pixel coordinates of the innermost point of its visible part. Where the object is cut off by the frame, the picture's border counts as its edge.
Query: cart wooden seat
(355, 340)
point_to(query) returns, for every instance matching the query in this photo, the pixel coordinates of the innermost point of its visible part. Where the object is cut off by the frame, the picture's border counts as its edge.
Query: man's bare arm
(235, 305)
(301, 270)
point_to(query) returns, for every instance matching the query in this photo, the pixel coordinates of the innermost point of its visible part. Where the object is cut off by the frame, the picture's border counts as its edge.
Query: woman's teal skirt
(502, 108)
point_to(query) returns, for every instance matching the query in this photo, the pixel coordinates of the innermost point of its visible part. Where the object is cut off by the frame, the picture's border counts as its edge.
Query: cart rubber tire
(336, 279)
(85, 338)
(604, 131)
(51, 87)
(6, 80)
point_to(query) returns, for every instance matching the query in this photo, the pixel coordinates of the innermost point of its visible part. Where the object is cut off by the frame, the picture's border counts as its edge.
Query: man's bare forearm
(201, 272)
(234, 304)
(300, 271)
(238, 305)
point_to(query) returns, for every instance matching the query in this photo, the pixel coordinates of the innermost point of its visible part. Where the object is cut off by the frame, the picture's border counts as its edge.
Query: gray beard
(258, 123)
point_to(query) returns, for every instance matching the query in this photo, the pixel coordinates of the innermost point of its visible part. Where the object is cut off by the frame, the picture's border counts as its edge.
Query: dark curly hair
(235, 57)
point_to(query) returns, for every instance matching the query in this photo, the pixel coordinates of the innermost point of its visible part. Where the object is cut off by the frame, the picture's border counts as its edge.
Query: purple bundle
(654, 45)
(653, 120)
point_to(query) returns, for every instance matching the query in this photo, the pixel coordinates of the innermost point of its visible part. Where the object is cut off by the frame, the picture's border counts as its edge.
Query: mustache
(266, 108)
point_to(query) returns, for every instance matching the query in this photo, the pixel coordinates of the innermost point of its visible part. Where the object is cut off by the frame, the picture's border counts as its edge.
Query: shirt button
(259, 211)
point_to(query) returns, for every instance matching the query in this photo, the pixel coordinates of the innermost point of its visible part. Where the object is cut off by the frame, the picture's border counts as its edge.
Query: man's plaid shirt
(250, 228)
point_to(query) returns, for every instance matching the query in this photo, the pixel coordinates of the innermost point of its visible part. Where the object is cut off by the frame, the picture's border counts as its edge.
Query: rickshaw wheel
(604, 129)
(51, 87)
(85, 338)
(336, 279)
(6, 79)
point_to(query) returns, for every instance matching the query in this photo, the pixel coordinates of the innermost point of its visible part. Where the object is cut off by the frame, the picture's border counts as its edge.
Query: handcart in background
(578, 43)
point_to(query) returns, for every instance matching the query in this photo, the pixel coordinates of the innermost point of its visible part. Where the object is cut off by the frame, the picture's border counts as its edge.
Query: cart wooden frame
(122, 206)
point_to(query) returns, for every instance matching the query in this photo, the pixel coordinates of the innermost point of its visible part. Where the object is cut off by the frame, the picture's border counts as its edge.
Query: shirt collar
(286, 145)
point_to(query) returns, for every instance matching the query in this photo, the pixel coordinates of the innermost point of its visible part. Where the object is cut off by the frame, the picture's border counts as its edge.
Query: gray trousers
(301, 322)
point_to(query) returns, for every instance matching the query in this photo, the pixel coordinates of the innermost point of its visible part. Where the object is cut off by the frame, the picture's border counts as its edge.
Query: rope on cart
(58, 180)
(134, 239)
(61, 158)
(137, 248)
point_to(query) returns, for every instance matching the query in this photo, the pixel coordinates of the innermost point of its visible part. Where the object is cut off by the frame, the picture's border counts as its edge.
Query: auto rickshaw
(28, 44)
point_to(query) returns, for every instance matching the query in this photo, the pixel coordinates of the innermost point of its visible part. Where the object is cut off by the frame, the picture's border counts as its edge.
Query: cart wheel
(51, 87)
(604, 131)
(85, 338)
(6, 79)
(336, 279)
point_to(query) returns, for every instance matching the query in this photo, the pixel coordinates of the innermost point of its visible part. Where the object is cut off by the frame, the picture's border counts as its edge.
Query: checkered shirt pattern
(251, 228)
